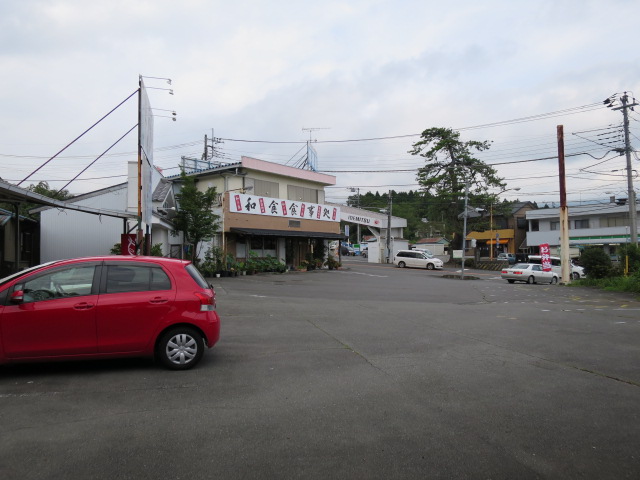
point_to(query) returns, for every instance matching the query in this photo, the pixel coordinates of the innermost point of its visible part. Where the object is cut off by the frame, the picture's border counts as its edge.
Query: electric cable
(80, 136)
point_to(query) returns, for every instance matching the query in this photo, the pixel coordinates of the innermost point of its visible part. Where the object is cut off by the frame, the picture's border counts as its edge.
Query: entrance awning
(286, 233)
(502, 241)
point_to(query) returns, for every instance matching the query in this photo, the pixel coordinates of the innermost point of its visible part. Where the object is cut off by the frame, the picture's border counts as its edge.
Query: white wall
(69, 234)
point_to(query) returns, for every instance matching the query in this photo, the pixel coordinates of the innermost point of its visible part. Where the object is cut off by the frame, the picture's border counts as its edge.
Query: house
(101, 216)
(267, 209)
(507, 231)
(604, 224)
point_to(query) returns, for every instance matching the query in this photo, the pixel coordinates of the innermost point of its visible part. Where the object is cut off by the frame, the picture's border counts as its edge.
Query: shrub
(632, 251)
(597, 264)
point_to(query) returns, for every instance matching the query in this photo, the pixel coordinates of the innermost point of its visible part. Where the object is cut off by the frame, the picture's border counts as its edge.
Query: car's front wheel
(180, 348)
(402, 264)
(554, 280)
(430, 266)
(575, 275)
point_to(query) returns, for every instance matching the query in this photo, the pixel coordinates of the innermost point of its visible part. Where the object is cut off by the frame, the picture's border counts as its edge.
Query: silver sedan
(528, 273)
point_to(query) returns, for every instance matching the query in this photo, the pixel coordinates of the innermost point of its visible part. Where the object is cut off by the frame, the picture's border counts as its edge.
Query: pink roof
(269, 167)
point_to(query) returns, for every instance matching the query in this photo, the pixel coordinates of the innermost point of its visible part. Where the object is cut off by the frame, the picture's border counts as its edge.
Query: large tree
(449, 166)
(195, 217)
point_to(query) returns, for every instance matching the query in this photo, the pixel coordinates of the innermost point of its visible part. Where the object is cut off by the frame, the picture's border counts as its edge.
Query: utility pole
(633, 212)
(464, 227)
(564, 211)
(357, 189)
(390, 206)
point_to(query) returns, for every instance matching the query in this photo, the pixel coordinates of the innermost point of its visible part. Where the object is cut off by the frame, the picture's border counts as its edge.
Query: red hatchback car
(112, 306)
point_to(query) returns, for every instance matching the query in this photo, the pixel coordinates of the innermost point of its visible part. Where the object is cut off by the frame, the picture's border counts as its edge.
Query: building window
(620, 221)
(264, 188)
(555, 225)
(581, 224)
(264, 246)
(535, 225)
(302, 194)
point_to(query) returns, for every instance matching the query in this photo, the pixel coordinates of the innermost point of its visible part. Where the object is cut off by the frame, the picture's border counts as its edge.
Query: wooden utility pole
(564, 211)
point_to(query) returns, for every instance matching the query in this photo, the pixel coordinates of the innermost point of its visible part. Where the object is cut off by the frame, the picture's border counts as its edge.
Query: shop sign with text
(279, 207)
(350, 217)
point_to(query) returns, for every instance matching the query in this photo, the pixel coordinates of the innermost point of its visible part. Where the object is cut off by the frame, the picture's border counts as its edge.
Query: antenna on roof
(311, 160)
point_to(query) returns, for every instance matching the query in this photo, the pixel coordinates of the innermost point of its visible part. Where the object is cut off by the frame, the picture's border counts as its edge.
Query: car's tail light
(504, 271)
(207, 302)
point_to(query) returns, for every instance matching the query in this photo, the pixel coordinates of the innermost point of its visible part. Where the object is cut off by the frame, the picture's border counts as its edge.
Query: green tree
(195, 218)
(449, 167)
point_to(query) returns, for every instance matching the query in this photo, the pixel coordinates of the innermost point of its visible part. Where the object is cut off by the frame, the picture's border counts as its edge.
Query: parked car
(105, 307)
(577, 272)
(417, 259)
(507, 257)
(346, 249)
(528, 273)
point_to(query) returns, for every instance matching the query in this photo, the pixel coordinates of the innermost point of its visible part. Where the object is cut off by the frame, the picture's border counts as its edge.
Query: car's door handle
(83, 306)
(159, 300)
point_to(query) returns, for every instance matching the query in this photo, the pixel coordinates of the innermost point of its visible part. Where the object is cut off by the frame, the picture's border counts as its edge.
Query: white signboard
(279, 207)
(351, 218)
(145, 137)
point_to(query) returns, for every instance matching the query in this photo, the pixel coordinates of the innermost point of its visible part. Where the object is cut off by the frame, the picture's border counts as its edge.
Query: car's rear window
(197, 276)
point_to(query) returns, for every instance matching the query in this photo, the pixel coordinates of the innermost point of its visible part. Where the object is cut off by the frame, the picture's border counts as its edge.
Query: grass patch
(629, 284)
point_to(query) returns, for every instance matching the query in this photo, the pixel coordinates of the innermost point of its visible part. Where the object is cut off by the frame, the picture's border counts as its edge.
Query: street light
(491, 221)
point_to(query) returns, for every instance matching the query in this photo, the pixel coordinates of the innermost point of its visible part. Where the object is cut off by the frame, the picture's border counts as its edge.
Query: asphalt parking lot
(365, 372)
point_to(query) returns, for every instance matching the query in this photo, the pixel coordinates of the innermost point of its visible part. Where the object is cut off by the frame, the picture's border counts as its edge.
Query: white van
(556, 266)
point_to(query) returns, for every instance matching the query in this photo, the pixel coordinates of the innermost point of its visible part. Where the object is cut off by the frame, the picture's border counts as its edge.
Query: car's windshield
(22, 272)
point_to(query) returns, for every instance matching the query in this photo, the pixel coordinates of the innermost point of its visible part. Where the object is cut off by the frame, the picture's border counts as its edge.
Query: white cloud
(263, 70)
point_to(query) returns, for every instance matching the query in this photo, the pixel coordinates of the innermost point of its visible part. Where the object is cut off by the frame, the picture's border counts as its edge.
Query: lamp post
(491, 221)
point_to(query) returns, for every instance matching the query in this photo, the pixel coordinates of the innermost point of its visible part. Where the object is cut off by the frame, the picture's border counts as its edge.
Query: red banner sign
(545, 257)
(128, 244)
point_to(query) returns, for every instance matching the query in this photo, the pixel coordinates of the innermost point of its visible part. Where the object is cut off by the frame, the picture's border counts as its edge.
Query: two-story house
(268, 209)
(507, 232)
(605, 224)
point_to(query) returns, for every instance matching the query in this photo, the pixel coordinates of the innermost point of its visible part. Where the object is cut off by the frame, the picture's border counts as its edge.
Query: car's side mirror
(17, 296)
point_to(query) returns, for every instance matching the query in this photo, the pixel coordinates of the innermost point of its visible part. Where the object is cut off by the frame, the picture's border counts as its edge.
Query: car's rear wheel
(531, 279)
(511, 281)
(180, 348)
(402, 264)
(430, 266)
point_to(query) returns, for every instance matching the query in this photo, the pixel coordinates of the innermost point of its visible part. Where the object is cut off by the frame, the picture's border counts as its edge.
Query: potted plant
(332, 263)
(242, 268)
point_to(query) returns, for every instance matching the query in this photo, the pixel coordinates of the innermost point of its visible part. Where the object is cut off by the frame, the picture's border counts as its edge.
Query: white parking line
(365, 274)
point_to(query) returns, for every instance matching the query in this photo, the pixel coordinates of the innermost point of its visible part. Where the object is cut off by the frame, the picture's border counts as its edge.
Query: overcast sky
(355, 70)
